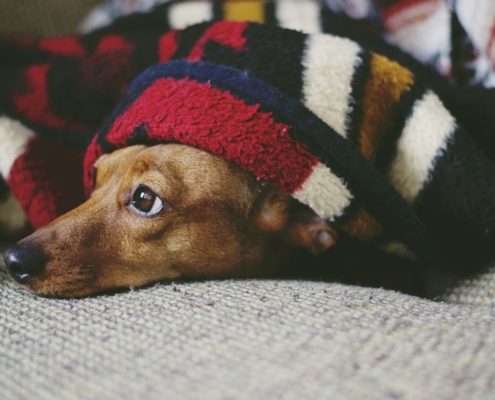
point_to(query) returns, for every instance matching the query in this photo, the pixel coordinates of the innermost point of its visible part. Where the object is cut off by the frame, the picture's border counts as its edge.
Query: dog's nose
(24, 261)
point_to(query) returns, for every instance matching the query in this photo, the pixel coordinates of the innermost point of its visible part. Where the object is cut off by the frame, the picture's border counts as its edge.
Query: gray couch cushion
(244, 340)
(476, 290)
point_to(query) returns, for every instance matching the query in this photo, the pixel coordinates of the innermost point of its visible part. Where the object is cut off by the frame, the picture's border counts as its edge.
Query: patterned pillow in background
(109, 10)
(456, 37)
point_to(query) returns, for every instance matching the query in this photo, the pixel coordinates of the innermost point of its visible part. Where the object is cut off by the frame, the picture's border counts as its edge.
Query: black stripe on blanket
(358, 85)
(270, 17)
(265, 57)
(217, 10)
(188, 38)
(275, 56)
(386, 153)
(461, 219)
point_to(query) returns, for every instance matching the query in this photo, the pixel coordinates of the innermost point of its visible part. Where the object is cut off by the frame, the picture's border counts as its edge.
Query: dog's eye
(145, 202)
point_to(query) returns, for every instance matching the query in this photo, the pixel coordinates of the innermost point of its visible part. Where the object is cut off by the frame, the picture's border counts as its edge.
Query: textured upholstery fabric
(478, 290)
(244, 340)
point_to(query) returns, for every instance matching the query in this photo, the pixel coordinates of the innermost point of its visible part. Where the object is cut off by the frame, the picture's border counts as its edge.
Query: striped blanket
(348, 132)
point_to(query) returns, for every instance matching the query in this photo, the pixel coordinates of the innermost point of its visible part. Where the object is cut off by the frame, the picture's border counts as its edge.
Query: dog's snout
(24, 262)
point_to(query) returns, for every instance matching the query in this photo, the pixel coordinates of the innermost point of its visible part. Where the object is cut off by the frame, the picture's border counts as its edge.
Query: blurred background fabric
(455, 37)
(43, 17)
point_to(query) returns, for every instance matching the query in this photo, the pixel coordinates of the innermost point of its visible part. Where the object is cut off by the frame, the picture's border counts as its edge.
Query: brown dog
(166, 212)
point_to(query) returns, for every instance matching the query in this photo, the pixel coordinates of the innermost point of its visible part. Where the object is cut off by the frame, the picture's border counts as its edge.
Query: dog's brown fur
(217, 221)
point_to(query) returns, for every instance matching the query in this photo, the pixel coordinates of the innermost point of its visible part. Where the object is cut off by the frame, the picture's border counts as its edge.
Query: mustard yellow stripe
(387, 81)
(244, 10)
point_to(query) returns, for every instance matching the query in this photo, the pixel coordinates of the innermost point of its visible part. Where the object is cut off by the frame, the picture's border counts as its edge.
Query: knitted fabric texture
(346, 131)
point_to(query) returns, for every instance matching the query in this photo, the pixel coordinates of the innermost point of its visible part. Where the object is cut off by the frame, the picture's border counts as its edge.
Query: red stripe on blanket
(19, 39)
(113, 43)
(199, 115)
(35, 103)
(408, 12)
(42, 179)
(229, 34)
(167, 45)
(68, 46)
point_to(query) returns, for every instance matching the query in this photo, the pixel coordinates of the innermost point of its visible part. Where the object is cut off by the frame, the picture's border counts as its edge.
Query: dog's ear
(280, 215)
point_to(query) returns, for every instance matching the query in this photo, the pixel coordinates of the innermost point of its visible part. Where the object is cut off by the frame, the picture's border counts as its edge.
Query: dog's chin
(55, 287)
(59, 281)
(64, 290)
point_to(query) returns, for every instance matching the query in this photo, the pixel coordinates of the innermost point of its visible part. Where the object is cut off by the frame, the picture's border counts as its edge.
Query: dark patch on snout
(24, 261)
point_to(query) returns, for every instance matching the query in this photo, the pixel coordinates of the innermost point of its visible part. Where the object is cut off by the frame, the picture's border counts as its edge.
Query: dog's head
(161, 213)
